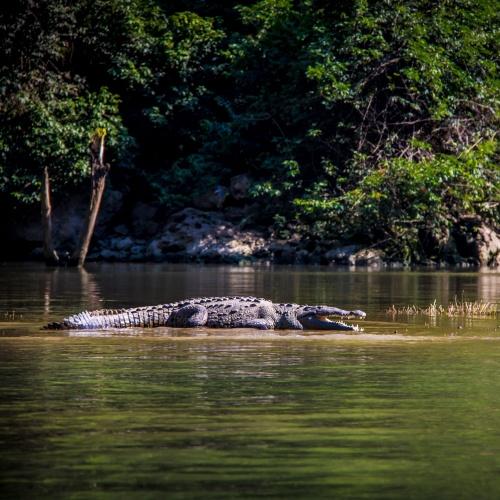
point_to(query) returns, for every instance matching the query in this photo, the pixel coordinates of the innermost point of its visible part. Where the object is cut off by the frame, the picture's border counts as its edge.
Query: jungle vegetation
(371, 121)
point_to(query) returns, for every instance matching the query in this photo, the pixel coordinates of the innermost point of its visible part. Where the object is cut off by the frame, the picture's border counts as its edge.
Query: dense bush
(370, 121)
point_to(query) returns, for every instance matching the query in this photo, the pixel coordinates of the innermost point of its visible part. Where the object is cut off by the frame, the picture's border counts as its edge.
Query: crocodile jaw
(316, 322)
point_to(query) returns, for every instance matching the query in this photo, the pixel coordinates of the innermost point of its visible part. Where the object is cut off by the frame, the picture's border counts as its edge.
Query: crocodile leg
(188, 316)
(289, 321)
(258, 323)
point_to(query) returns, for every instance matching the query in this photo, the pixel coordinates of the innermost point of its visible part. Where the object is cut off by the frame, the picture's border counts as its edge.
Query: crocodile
(215, 312)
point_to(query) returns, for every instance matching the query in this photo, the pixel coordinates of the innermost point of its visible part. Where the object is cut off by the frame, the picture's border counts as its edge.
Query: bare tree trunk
(49, 252)
(99, 172)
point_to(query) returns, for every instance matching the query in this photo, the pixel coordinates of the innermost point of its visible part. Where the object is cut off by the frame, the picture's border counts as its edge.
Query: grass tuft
(471, 309)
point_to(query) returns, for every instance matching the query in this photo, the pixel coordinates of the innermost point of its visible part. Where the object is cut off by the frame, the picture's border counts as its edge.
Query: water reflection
(245, 414)
(488, 286)
(247, 419)
(41, 295)
(59, 282)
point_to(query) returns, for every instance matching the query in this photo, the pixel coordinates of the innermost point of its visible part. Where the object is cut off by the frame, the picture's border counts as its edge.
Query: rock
(488, 246)
(107, 254)
(353, 255)
(341, 255)
(37, 253)
(137, 248)
(70, 212)
(137, 253)
(154, 250)
(192, 234)
(371, 257)
(212, 199)
(283, 252)
(302, 257)
(476, 242)
(239, 186)
(122, 243)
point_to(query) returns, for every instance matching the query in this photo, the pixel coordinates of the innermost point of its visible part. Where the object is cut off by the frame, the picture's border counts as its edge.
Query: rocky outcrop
(477, 242)
(218, 236)
(189, 235)
(488, 246)
(195, 234)
(355, 255)
(138, 231)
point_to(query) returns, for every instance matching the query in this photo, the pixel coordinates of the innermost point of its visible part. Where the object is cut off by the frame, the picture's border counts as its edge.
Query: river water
(410, 408)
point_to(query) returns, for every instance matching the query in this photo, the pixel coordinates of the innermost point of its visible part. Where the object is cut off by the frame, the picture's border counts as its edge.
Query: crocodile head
(318, 318)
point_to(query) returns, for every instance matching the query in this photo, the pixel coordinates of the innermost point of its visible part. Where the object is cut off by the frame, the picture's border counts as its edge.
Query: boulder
(113, 255)
(370, 257)
(354, 255)
(154, 250)
(291, 251)
(488, 246)
(195, 235)
(122, 243)
(341, 255)
(283, 252)
(137, 252)
(477, 242)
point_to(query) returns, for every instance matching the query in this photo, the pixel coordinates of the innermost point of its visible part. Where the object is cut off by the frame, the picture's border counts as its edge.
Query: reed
(471, 309)
(11, 315)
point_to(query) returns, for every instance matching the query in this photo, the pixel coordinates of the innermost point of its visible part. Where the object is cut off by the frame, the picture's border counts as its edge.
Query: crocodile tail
(149, 316)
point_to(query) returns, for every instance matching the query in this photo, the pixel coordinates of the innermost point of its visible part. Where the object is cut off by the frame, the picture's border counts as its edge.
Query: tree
(99, 171)
(337, 109)
(49, 116)
(366, 121)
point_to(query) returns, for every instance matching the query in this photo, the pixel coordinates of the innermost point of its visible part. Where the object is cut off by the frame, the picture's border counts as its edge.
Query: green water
(408, 409)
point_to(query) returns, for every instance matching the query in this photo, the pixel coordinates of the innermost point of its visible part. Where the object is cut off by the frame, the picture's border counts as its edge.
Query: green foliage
(358, 120)
(54, 133)
(382, 107)
(48, 115)
(401, 198)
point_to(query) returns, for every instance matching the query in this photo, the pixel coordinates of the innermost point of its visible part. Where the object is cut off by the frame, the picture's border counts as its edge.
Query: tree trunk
(99, 172)
(49, 252)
